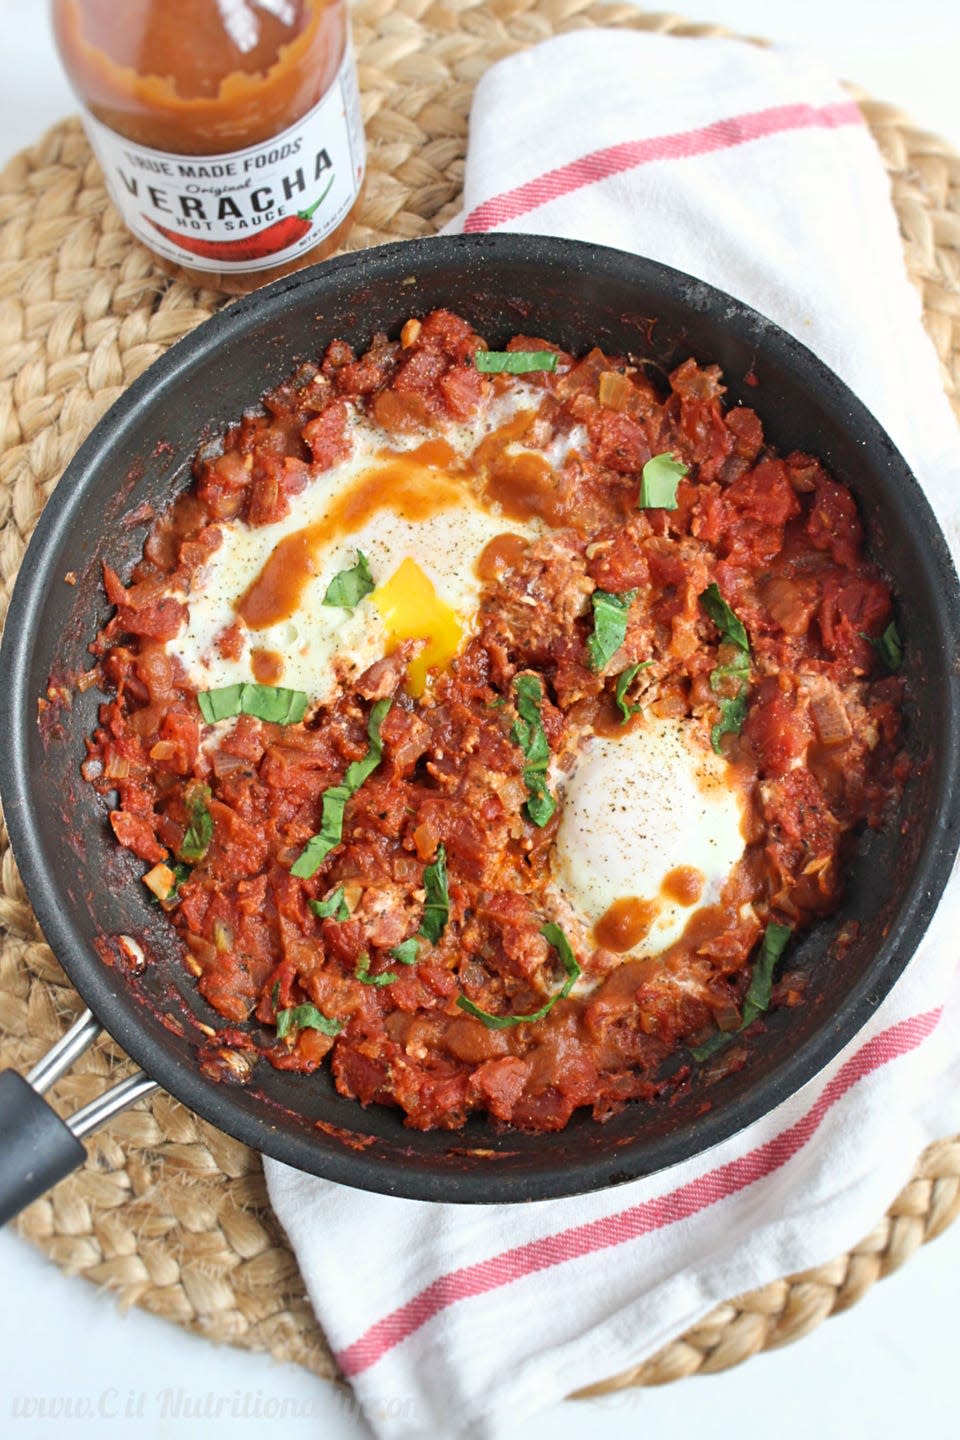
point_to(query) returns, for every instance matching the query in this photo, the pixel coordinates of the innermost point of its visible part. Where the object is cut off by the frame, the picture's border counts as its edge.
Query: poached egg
(409, 509)
(651, 827)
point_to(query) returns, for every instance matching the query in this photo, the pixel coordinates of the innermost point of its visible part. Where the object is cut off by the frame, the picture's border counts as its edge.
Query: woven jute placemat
(169, 1212)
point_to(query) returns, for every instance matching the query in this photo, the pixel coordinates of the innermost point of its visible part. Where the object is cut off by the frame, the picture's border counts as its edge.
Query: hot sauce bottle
(228, 131)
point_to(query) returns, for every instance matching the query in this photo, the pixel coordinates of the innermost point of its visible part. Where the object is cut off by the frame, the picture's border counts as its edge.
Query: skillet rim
(105, 990)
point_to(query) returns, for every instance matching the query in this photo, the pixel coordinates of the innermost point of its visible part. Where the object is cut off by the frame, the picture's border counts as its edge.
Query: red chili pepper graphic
(277, 236)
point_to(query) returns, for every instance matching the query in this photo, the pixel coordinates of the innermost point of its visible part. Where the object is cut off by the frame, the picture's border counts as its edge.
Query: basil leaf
(273, 703)
(891, 647)
(329, 835)
(501, 1022)
(555, 936)
(609, 625)
(335, 799)
(775, 938)
(528, 732)
(733, 709)
(731, 628)
(181, 873)
(436, 910)
(888, 646)
(715, 1043)
(736, 669)
(219, 704)
(541, 806)
(757, 998)
(624, 680)
(333, 908)
(362, 973)
(305, 1017)
(360, 770)
(658, 484)
(407, 952)
(348, 587)
(732, 715)
(199, 832)
(514, 362)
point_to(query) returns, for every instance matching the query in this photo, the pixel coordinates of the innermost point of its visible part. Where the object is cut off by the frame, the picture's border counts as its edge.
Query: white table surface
(73, 1365)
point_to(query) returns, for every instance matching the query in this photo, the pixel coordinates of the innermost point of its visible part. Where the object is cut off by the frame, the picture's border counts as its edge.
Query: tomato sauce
(413, 983)
(625, 923)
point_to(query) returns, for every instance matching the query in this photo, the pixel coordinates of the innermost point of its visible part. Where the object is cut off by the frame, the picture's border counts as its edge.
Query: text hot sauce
(229, 131)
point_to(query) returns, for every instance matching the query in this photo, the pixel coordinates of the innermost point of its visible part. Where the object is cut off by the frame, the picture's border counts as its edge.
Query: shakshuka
(490, 722)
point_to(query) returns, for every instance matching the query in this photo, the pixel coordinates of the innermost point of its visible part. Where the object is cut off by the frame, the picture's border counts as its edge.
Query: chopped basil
(609, 625)
(501, 1022)
(731, 628)
(333, 908)
(624, 680)
(528, 733)
(329, 835)
(514, 362)
(775, 939)
(733, 708)
(407, 951)
(732, 715)
(199, 832)
(757, 998)
(219, 704)
(362, 973)
(335, 799)
(555, 936)
(273, 703)
(305, 1017)
(658, 485)
(888, 646)
(541, 804)
(360, 770)
(715, 1043)
(181, 873)
(348, 587)
(436, 909)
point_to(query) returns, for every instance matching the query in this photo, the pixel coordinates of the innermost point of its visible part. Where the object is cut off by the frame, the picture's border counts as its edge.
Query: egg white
(637, 807)
(320, 644)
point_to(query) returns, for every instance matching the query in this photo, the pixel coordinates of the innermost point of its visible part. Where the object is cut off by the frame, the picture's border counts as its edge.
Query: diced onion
(222, 935)
(831, 720)
(160, 880)
(615, 390)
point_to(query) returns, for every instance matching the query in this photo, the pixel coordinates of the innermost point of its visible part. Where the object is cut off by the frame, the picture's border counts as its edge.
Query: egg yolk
(412, 610)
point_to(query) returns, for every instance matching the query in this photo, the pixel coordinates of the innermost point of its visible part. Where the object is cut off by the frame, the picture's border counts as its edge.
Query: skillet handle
(37, 1147)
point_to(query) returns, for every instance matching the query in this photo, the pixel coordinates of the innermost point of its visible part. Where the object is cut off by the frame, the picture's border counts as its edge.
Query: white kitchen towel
(751, 170)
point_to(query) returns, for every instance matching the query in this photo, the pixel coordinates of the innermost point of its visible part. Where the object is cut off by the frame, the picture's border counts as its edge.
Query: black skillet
(83, 888)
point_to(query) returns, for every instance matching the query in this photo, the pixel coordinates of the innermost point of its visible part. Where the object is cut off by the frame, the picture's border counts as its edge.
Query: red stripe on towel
(599, 164)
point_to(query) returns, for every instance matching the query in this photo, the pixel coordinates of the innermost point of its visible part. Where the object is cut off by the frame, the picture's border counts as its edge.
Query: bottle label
(249, 209)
